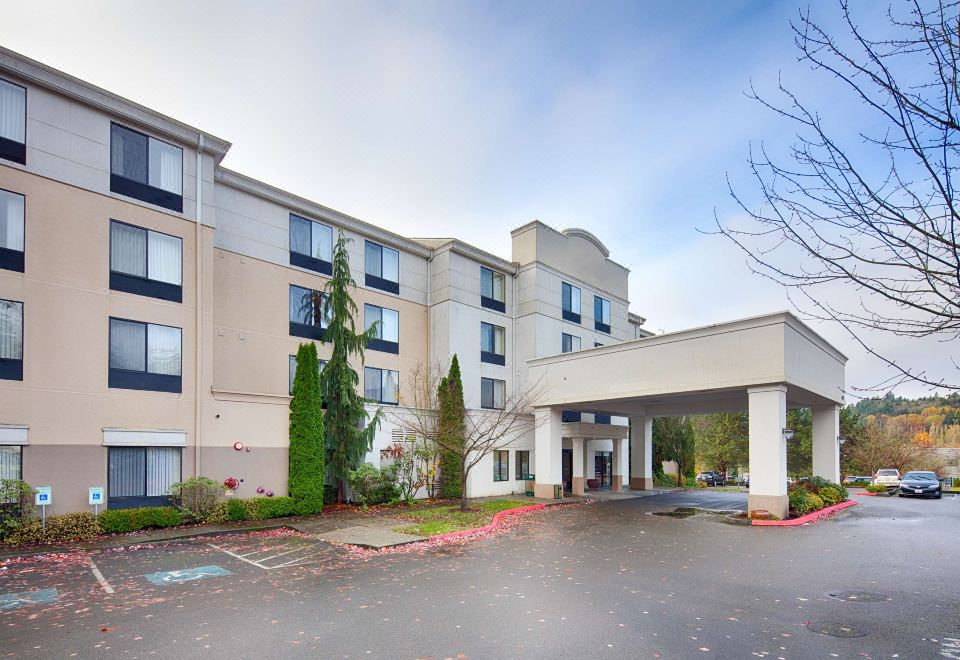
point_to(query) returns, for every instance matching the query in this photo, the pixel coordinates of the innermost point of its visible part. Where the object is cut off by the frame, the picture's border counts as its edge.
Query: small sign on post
(96, 499)
(43, 498)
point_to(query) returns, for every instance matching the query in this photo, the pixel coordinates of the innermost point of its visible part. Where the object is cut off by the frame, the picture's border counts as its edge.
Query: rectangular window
(145, 262)
(492, 340)
(523, 466)
(492, 393)
(13, 122)
(311, 245)
(381, 385)
(601, 314)
(569, 343)
(141, 476)
(387, 337)
(11, 462)
(12, 207)
(144, 356)
(307, 315)
(570, 416)
(492, 290)
(146, 168)
(501, 465)
(571, 303)
(382, 268)
(293, 370)
(600, 418)
(11, 340)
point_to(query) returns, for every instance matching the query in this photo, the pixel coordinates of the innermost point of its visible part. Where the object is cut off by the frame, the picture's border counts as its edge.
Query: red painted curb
(865, 494)
(497, 517)
(810, 517)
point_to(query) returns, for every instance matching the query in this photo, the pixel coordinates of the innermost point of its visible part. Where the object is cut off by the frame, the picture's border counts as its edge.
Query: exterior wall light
(841, 440)
(788, 434)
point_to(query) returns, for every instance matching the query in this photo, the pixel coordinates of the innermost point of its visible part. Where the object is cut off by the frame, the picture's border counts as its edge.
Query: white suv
(887, 477)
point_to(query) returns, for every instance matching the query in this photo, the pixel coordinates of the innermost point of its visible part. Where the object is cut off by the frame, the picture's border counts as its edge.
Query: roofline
(438, 245)
(45, 76)
(636, 319)
(567, 233)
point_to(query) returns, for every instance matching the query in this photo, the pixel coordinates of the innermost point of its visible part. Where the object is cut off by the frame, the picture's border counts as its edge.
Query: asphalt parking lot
(606, 579)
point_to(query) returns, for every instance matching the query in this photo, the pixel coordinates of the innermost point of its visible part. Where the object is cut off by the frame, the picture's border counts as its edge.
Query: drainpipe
(199, 314)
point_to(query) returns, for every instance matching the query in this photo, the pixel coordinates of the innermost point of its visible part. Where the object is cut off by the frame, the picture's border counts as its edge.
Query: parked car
(857, 480)
(888, 477)
(920, 484)
(711, 478)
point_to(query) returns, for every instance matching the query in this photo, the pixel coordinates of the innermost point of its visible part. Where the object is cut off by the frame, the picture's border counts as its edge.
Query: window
(523, 466)
(145, 262)
(601, 314)
(11, 230)
(307, 317)
(144, 356)
(600, 418)
(381, 385)
(146, 168)
(311, 245)
(492, 393)
(492, 290)
(141, 476)
(569, 343)
(571, 303)
(501, 465)
(491, 344)
(382, 268)
(11, 340)
(293, 370)
(570, 416)
(13, 122)
(388, 328)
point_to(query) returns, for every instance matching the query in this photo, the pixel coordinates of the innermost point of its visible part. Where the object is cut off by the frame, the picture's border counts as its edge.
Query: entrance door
(567, 469)
(603, 468)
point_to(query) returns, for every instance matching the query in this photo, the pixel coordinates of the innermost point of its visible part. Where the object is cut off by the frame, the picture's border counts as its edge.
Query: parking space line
(280, 555)
(97, 574)
(234, 555)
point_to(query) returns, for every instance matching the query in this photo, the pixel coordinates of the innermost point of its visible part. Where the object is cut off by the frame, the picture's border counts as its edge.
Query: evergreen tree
(350, 434)
(451, 430)
(307, 452)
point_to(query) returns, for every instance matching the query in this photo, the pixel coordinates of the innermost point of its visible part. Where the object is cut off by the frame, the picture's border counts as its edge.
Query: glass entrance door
(603, 468)
(567, 469)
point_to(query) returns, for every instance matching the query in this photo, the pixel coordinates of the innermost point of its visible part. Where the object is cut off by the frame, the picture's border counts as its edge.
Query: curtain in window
(371, 383)
(11, 330)
(371, 314)
(11, 221)
(390, 329)
(166, 166)
(163, 350)
(299, 235)
(299, 305)
(13, 112)
(127, 345)
(293, 371)
(391, 265)
(486, 393)
(126, 470)
(10, 462)
(486, 337)
(128, 154)
(165, 258)
(498, 386)
(390, 382)
(486, 282)
(498, 340)
(575, 300)
(373, 261)
(322, 242)
(499, 287)
(128, 249)
(163, 469)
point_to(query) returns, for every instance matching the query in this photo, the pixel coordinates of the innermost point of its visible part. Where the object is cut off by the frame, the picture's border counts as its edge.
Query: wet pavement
(606, 579)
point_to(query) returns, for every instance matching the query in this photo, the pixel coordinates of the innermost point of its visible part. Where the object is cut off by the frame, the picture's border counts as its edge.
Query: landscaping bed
(435, 520)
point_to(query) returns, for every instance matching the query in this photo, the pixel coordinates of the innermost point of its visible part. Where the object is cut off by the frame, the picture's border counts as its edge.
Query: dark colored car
(711, 478)
(920, 484)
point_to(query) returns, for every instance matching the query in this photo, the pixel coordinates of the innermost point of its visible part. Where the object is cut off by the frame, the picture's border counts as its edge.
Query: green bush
(814, 484)
(239, 509)
(661, 480)
(800, 501)
(16, 505)
(307, 451)
(373, 486)
(830, 495)
(118, 521)
(218, 515)
(196, 497)
(876, 488)
(59, 529)
(274, 507)
(815, 502)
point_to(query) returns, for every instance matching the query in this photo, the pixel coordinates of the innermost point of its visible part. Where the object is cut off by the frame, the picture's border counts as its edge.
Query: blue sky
(440, 118)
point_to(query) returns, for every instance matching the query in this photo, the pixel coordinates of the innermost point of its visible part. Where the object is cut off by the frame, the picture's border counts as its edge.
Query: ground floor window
(141, 476)
(11, 462)
(523, 465)
(501, 465)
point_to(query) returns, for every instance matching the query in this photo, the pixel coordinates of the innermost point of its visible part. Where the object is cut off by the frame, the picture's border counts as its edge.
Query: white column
(588, 466)
(768, 449)
(641, 452)
(826, 445)
(577, 483)
(548, 444)
(617, 466)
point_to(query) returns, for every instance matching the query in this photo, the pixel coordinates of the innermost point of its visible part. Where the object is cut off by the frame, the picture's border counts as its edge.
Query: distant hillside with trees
(932, 421)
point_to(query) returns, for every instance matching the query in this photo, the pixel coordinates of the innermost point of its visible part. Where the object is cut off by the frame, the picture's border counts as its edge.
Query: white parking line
(97, 574)
(234, 555)
(309, 551)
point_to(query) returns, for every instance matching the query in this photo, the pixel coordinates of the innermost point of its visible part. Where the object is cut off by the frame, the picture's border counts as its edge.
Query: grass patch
(443, 519)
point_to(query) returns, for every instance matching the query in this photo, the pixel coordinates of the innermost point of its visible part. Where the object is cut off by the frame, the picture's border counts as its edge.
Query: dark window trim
(520, 475)
(144, 191)
(601, 327)
(10, 149)
(570, 416)
(494, 304)
(384, 346)
(144, 286)
(375, 282)
(493, 380)
(573, 317)
(129, 379)
(599, 418)
(493, 358)
(498, 461)
(488, 301)
(311, 263)
(136, 501)
(11, 368)
(307, 331)
(11, 260)
(489, 356)
(380, 282)
(380, 400)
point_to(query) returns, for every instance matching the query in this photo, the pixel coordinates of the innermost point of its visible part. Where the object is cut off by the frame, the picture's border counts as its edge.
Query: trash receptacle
(558, 492)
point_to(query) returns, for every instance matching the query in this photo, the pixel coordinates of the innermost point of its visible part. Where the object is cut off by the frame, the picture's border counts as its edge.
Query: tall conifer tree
(307, 452)
(451, 428)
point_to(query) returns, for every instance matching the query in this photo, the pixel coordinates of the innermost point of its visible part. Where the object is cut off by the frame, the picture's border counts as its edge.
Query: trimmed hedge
(63, 528)
(830, 496)
(237, 509)
(118, 521)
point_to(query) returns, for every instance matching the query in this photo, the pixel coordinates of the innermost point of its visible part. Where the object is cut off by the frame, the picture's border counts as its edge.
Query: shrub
(307, 452)
(816, 503)
(800, 501)
(196, 497)
(67, 527)
(118, 521)
(373, 486)
(876, 488)
(814, 484)
(16, 505)
(238, 509)
(662, 480)
(274, 507)
(830, 496)
(218, 515)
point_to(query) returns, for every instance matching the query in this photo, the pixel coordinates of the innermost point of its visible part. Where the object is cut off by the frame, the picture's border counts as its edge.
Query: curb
(810, 517)
(492, 525)
(865, 494)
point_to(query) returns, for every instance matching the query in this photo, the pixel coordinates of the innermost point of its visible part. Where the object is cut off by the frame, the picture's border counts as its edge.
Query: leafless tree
(879, 218)
(484, 431)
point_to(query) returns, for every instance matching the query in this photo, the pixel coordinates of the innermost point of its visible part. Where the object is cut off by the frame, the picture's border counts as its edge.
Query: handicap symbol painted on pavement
(12, 601)
(186, 575)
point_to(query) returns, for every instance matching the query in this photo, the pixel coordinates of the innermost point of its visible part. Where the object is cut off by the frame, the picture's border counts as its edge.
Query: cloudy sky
(469, 119)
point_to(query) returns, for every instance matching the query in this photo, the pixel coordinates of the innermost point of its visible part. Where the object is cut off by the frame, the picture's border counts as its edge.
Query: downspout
(198, 339)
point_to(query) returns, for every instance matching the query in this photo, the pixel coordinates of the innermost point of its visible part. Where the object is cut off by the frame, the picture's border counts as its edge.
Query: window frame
(571, 416)
(519, 473)
(144, 191)
(308, 261)
(135, 501)
(378, 281)
(570, 314)
(492, 357)
(308, 330)
(601, 418)
(598, 323)
(492, 302)
(10, 259)
(12, 368)
(377, 343)
(11, 150)
(146, 380)
(144, 286)
(499, 463)
(503, 393)
(380, 398)
(564, 335)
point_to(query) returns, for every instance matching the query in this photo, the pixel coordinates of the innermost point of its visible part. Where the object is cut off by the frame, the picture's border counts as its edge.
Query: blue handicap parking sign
(186, 575)
(12, 601)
